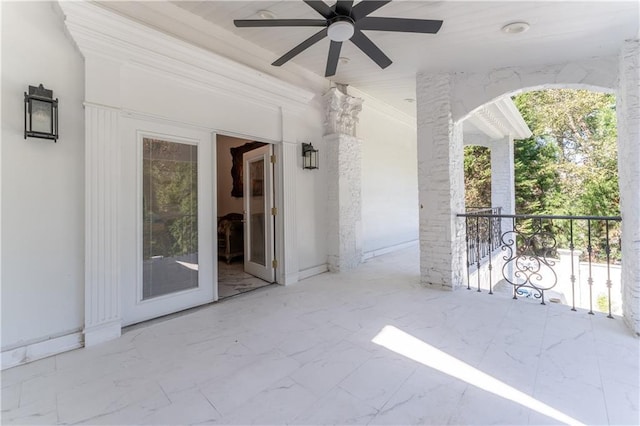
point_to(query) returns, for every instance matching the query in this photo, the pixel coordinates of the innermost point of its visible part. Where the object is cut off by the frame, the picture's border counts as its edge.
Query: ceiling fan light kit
(340, 31)
(345, 22)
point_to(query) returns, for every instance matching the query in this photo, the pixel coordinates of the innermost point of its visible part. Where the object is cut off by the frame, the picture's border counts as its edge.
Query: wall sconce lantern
(309, 156)
(40, 114)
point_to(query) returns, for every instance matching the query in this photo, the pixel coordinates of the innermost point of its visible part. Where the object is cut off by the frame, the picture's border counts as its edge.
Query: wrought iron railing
(530, 247)
(482, 235)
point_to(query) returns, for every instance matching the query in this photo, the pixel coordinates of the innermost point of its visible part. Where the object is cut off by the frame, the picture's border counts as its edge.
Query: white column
(502, 175)
(344, 181)
(440, 184)
(628, 111)
(102, 162)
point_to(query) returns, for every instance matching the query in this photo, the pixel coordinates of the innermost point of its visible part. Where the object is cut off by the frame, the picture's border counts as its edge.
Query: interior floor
(233, 280)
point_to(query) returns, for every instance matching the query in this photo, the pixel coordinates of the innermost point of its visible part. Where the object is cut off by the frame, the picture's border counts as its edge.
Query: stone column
(440, 183)
(503, 190)
(628, 111)
(344, 199)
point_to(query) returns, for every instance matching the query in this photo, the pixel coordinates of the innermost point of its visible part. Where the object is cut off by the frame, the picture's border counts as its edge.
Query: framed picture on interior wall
(257, 186)
(236, 166)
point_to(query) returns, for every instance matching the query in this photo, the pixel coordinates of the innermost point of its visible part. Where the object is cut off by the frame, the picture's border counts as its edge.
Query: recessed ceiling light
(266, 14)
(515, 28)
(343, 60)
(410, 100)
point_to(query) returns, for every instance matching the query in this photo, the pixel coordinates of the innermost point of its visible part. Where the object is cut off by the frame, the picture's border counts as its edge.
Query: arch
(470, 91)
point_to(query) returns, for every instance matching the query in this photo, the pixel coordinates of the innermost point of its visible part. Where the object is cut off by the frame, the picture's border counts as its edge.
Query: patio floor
(368, 347)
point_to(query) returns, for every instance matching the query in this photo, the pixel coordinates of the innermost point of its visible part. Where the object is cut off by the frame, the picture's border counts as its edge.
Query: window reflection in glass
(170, 217)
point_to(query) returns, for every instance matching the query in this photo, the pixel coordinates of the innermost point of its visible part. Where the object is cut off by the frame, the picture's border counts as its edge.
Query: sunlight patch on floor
(413, 348)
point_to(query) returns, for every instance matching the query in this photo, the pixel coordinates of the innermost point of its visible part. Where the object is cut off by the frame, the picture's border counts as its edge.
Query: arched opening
(565, 175)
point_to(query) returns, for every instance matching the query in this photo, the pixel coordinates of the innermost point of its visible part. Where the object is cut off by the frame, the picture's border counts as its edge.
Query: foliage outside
(170, 210)
(568, 166)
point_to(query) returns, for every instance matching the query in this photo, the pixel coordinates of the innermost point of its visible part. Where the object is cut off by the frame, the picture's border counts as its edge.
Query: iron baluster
(608, 252)
(478, 251)
(590, 279)
(573, 276)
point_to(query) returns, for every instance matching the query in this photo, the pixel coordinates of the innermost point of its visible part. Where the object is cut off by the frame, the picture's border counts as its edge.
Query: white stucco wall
(389, 179)
(311, 194)
(42, 181)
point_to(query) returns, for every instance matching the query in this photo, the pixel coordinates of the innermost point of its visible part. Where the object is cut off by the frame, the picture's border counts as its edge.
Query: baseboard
(38, 350)
(310, 272)
(390, 249)
(102, 332)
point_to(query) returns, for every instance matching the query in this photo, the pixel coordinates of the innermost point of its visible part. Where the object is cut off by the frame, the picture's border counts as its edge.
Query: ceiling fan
(343, 21)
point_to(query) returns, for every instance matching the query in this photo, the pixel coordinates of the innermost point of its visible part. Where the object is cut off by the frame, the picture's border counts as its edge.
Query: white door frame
(278, 202)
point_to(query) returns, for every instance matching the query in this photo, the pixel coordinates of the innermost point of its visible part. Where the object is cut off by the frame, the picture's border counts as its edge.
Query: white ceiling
(470, 38)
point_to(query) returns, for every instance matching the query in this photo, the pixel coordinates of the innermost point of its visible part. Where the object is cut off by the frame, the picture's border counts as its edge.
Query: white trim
(38, 350)
(314, 270)
(510, 113)
(107, 34)
(500, 119)
(390, 249)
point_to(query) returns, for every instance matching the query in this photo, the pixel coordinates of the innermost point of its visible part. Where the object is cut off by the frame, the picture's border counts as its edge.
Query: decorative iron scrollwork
(527, 266)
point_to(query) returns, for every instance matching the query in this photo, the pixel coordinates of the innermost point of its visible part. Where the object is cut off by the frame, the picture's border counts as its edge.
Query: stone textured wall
(440, 183)
(472, 90)
(344, 202)
(344, 180)
(628, 108)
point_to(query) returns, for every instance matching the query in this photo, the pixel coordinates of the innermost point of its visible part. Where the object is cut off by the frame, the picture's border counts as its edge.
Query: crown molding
(98, 31)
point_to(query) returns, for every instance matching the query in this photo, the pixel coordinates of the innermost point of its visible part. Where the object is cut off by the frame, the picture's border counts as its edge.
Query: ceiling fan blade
(399, 24)
(366, 7)
(371, 50)
(332, 59)
(299, 48)
(321, 7)
(280, 22)
(343, 7)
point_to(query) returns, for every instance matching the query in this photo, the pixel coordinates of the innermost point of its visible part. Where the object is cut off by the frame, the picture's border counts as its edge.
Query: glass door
(258, 203)
(175, 269)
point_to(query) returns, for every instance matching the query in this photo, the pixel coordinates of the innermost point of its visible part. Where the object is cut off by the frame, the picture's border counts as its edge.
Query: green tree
(582, 124)
(477, 176)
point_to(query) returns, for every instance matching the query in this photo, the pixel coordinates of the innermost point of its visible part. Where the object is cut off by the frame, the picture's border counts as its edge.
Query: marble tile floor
(232, 279)
(367, 347)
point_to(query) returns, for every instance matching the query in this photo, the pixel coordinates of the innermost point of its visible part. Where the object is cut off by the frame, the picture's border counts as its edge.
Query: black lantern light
(309, 156)
(40, 114)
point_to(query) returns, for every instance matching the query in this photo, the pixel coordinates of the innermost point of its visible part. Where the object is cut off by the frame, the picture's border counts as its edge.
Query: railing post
(469, 259)
(490, 232)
